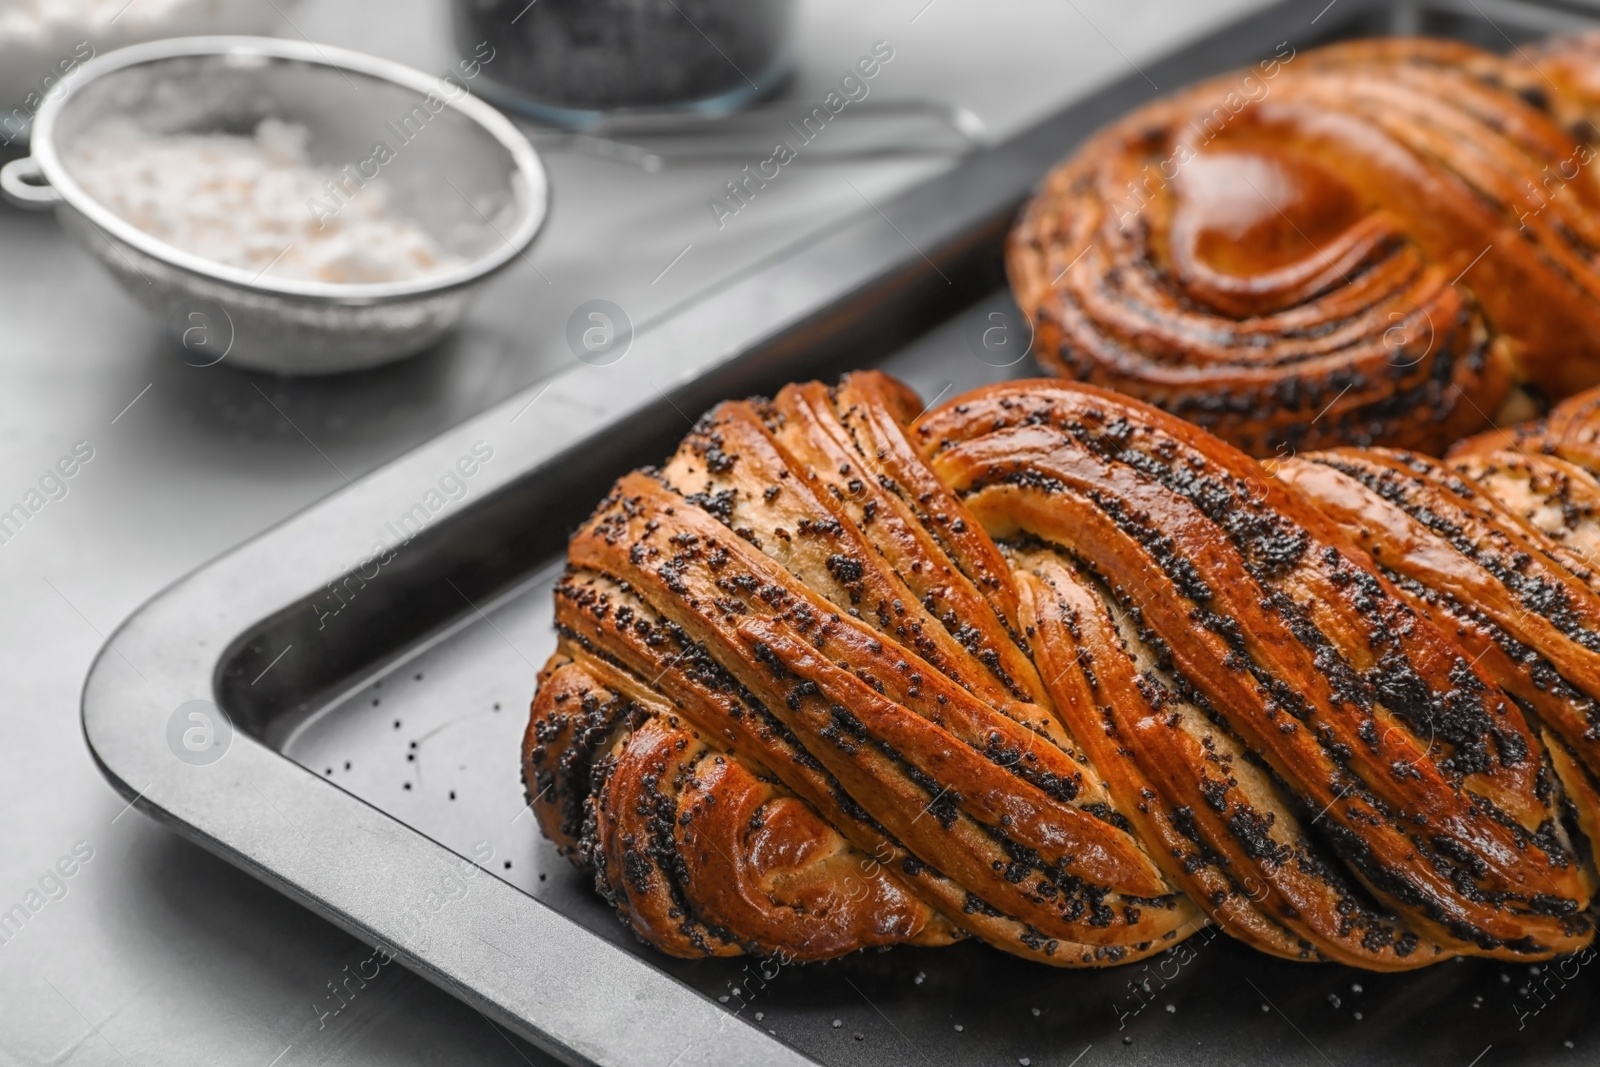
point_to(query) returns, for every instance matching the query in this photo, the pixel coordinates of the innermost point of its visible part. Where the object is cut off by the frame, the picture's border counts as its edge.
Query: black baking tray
(377, 694)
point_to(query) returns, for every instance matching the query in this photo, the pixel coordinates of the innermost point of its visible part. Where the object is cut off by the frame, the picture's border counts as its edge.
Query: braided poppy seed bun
(1054, 669)
(1385, 242)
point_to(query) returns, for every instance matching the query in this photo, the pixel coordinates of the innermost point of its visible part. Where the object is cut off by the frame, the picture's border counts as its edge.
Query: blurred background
(154, 951)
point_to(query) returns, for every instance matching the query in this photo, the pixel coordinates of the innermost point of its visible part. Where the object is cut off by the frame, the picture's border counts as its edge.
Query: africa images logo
(199, 733)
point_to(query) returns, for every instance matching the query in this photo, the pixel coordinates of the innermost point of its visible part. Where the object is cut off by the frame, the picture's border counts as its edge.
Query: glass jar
(571, 61)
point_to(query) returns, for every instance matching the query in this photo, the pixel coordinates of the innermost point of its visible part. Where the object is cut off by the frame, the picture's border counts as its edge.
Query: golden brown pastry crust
(1501, 587)
(1051, 668)
(1371, 243)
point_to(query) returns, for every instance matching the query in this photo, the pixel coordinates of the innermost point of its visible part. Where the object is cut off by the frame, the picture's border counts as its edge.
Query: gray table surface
(159, 953)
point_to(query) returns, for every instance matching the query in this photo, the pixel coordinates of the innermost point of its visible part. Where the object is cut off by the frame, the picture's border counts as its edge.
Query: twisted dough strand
(1379, 242)
(1054, 669)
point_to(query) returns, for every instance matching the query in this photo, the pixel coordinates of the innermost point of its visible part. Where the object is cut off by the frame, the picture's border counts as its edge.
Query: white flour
(243, 202)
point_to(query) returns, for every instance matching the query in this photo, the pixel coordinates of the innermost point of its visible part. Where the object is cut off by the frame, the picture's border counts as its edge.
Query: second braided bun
(1383, 242)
